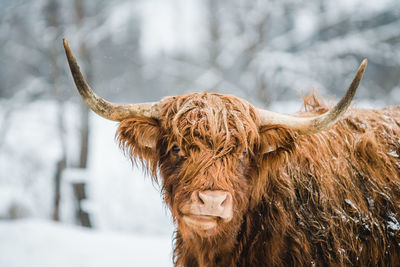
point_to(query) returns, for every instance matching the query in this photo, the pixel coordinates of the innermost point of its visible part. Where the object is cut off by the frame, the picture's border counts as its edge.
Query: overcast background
(68, 196)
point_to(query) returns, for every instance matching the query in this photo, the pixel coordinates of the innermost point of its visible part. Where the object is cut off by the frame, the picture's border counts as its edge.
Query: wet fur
(328, 199)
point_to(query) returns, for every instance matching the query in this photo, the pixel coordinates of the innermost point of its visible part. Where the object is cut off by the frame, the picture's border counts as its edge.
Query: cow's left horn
(114, 112)
(319, 123)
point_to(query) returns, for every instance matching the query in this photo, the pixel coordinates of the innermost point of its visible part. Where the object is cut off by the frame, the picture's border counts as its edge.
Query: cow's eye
(176, 148)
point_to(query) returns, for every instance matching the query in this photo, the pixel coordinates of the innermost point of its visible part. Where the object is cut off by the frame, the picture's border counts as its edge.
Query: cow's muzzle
(207, 208)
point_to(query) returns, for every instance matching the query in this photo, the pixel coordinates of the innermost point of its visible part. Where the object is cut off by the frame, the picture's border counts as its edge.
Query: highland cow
(250, 187)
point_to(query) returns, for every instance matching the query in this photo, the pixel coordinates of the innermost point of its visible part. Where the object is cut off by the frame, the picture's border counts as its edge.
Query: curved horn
(319, 123)
(114, 112)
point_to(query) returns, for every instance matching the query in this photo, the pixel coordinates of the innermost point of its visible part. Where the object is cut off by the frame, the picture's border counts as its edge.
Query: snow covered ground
(38, 243)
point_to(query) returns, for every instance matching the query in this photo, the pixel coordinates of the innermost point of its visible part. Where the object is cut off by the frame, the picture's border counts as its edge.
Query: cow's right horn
(114, 112)
(310, 125)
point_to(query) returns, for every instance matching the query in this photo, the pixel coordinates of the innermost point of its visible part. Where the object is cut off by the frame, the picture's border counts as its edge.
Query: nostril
(223, 203)
(201, 198)
(227, 201)
(197, 198)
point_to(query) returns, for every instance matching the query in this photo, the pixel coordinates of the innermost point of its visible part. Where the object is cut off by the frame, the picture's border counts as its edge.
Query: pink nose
(212, 203)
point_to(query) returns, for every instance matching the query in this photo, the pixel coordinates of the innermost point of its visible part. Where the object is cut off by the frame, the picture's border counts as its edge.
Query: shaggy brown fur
(328, 199)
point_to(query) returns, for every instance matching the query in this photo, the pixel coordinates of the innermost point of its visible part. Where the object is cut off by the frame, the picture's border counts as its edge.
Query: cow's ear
(138, 137)
(276, 137)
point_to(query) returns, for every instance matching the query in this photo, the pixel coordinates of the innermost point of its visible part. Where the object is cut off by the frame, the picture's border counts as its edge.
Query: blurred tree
(51, 12)
(84, 54)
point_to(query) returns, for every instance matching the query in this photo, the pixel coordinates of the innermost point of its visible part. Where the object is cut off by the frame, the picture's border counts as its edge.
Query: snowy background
(268, 52)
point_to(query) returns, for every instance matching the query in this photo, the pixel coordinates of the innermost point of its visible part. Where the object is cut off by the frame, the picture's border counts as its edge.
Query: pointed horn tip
(65, 43)
(363, 64)
(68, 50)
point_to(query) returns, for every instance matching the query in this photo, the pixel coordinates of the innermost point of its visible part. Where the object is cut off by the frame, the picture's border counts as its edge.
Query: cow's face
(205, 161)
(204, 148)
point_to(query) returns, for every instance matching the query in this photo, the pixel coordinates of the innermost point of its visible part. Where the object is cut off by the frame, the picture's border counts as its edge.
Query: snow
(121, 196)
(13, 202)
(74, 175)
(37, 243)
(126, 208)
(348, 201)
(28, 154)
(393, 224)
(393, 154)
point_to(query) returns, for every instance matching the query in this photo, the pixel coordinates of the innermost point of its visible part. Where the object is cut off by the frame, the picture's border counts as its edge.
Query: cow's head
(208, 148)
